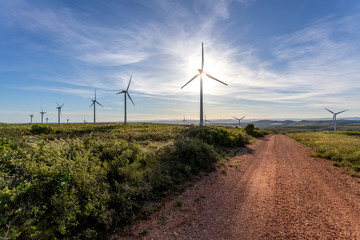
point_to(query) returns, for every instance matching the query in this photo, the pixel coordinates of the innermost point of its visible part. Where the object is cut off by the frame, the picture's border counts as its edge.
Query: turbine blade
(95, 94)
(242, 117)
(190, 80)
(341, 111)
(120, 92)
(92, 104)
(62, 105)
(202, 53)
(329, 110)
(58, 104)
(99, 103)
(129, 83)
(130, 98)
(215, 78)
(236, 118)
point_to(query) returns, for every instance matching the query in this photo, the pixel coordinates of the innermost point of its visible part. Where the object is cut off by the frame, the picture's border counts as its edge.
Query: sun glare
(211, 67)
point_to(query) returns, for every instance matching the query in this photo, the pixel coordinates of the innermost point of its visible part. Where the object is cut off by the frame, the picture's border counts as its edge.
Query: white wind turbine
(201, 72)
(184, 121)
(94, 102)
(206, 120)
(42, 115)
(334, 116)
(31, 117)
(126, 93)
(239, 119)
(59, 111)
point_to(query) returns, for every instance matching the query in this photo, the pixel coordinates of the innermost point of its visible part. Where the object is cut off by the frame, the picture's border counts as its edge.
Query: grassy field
(343, 148)
(81, 181)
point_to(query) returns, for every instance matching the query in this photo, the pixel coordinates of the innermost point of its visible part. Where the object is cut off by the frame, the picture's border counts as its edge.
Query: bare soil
(273, 189)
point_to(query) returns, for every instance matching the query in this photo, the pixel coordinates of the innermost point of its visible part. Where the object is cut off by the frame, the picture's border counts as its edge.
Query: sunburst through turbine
(201, 72)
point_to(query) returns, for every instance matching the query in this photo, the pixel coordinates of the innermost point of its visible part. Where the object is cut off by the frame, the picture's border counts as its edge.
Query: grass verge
(343, 148)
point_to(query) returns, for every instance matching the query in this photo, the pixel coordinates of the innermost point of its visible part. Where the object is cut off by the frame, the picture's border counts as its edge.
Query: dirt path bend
(273, 189)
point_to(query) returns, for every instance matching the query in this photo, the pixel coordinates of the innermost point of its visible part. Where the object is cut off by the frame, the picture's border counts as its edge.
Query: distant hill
(352, 124)
(321, 125)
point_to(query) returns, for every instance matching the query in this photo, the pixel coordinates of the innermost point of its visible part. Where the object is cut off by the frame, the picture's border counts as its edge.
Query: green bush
(187, 157)
(218, 136)
(254, 131)
(41, 129)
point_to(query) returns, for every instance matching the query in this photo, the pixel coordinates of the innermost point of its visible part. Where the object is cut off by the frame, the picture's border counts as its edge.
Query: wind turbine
(94, 102)
(47, 120)
(59, 111)
(126, 93)
(184, 121)
(206, 120)
(31, 117)
(42, 114)
(239, 119)
(67, 120)
(334, 116)
(201, 72)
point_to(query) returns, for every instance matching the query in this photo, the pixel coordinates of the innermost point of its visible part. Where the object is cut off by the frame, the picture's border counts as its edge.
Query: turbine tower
(31, 117)
(59, 111)
(126, 93)
(239, 119)
(94, 102)
(334, 116)
(47, 120)
(201, 72)
(42, 114)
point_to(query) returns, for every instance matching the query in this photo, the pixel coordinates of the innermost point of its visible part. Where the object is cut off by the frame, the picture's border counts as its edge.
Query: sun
(210, 86)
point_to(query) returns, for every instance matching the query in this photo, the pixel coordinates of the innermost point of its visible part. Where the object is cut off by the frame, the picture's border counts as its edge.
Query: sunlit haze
(280, 59)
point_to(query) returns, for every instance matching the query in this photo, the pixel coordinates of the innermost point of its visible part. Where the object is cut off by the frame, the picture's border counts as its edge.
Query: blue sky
(280, 58)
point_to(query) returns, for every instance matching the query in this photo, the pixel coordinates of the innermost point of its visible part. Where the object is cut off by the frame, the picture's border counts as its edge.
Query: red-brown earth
(272, 189)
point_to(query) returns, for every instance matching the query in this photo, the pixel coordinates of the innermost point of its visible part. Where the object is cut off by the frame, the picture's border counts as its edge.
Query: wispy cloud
(311, 66)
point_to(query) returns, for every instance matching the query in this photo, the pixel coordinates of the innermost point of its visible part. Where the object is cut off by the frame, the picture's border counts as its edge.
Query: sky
(280, 58)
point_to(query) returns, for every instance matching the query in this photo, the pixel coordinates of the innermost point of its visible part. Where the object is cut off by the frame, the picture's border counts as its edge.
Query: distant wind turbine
(239, 119)
(59, 111)
(31, 117)
(42, 114)
(126, 93)
(94, 102)
(184, 121)
(201, 72)
(334, 116)
(47, 120)
(67, 120)
(206, 120)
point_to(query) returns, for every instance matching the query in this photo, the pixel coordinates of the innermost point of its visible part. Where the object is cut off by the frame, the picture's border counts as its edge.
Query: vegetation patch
(343, 147)
(81, 181)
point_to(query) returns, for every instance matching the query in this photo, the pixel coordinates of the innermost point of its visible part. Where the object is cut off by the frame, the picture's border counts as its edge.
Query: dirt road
(273, 189)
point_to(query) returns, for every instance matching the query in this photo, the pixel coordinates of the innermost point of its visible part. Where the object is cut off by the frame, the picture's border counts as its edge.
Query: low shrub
(254, 131)
(218, 136)
(41, 129)
(187, 157)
